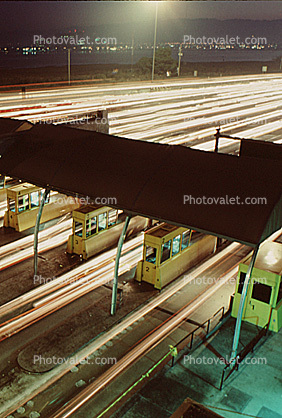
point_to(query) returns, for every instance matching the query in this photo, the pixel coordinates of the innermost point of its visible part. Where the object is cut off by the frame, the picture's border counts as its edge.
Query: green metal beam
(155, 38)
(36, 228)
(115, 283)
(241, 308)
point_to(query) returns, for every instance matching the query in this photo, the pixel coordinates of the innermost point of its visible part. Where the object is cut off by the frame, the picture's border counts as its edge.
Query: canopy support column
(115, 283)
(36, 228)
(241, 308)
(217, 136)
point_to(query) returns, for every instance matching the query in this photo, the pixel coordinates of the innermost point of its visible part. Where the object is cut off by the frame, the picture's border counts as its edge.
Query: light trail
(183, 113)
(55, 294)
(131, 87)
(255, 133)
(140, 100)
(161, 95)
(3, 208)
(20, 250)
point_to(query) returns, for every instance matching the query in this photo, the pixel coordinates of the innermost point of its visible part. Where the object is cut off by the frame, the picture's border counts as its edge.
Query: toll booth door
(149, 272)
(149, 265)
(78, 238)
(259, 305)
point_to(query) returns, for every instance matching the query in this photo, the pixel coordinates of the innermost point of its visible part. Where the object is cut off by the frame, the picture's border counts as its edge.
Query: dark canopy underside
(152, 179)
(8, 125)
(261, 149)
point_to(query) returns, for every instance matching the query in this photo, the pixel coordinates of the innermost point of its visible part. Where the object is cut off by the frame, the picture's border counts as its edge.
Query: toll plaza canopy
(8, 125)
(261, 149)
(234, 197)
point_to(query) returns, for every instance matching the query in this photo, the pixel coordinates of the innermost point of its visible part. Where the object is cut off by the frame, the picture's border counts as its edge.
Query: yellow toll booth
(96, 228)
(23, 203)
(169, 251)
(264, 296)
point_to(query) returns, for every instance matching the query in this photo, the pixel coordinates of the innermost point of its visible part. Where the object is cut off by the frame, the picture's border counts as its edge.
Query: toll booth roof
(24, 187)
(269, 258)
(89, 208)
(162, 230)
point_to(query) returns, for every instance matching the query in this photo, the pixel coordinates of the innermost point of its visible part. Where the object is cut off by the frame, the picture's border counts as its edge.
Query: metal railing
(219, 135)
(202, 326)
(234, 364)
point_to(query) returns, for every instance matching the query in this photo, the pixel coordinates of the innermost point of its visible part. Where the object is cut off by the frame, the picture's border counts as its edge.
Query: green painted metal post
(242, 306)
(69, 66)
(115, 283)
(155, 39)
(36, 228)
(217, 136)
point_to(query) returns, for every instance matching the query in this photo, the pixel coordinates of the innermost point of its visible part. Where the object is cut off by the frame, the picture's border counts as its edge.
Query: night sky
(41, 16)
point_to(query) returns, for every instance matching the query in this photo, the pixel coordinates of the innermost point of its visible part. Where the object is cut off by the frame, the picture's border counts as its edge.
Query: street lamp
(132, 52)
(155, 38)
(180, 54)
(69, 65)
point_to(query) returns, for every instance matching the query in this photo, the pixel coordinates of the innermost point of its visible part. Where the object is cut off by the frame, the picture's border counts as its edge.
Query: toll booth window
(102, 221)
(185, 239)
(78, 229)
(151, 254)
(23, 203)
(165, 251)
(91, 226)
(112, 218)
(241, 282)
(261, 292)
(12, 205)
(176, 245)
(34, 199)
